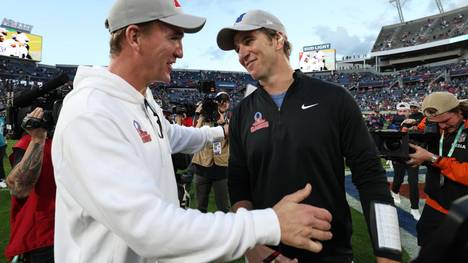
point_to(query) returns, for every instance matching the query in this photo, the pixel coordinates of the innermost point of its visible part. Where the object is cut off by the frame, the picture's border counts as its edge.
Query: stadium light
(439, 5)
(398, 6)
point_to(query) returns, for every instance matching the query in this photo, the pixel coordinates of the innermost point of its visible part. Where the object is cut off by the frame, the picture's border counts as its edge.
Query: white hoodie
(116, 190)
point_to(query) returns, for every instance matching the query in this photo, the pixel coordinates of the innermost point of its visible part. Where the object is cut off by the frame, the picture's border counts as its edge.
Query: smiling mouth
(248, 64)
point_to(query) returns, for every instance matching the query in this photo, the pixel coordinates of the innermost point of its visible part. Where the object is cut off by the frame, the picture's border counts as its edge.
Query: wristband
(271, 257)
(434, 158)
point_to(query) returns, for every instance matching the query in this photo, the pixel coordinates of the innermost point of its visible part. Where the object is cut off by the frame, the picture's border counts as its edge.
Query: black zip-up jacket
(275, 152)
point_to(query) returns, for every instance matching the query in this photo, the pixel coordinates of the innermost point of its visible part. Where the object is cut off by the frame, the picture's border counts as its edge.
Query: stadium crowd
(425, 30)
(371, 90)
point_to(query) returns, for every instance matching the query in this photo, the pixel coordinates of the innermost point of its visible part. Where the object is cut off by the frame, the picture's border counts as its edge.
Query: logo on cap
(239, 19)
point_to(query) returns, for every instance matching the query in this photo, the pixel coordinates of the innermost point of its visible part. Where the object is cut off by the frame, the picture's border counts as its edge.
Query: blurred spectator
(375, 121)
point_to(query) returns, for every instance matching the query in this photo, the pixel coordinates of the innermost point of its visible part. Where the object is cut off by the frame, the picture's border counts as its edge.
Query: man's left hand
(419, 156)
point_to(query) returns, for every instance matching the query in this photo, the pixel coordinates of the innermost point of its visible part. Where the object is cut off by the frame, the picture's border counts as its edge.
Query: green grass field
(361, 242)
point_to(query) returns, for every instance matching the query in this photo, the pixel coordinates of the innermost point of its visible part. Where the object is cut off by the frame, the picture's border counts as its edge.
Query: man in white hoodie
(116, 190)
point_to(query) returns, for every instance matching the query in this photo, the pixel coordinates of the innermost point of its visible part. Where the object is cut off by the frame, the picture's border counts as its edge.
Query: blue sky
(73, 31)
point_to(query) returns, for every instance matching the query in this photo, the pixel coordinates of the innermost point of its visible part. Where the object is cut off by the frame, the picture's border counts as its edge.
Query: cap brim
(225, 38)
(189, 23)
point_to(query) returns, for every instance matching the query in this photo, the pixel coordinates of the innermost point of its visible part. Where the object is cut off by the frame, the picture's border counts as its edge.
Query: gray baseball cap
(252, 20)
(130, 12)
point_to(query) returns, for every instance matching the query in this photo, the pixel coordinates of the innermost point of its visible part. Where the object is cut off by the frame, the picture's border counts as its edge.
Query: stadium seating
(424, 30)
(371, 90)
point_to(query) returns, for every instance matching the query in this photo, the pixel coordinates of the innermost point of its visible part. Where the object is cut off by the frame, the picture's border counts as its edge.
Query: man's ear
(132, 36)
(281, 39)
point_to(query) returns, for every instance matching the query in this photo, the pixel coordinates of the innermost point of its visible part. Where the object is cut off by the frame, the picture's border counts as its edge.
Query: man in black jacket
(295, 130)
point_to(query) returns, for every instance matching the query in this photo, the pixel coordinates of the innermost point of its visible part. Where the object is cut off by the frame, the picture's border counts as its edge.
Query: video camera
(210, 101)
(49, 96)
(394, 145)
(179, 110)
(209, 109)
(184, 108)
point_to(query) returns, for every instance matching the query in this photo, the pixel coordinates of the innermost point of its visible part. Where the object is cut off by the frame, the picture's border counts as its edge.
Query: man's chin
(162, 80)
(253, 75)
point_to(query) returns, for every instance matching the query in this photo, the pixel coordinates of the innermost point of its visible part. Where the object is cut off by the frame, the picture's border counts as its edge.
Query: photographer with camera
(32, 187)
(212, 161)
(447, 177)
(402, 121)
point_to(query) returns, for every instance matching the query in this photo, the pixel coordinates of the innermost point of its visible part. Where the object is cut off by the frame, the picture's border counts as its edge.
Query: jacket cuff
(216, 134)
(267, 227)
(442, 162)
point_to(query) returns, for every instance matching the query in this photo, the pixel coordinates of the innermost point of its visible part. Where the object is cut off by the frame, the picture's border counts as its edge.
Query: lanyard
(441, 142)
(155, 114)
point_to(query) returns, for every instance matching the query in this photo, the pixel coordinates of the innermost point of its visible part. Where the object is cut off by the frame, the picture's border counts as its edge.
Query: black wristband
(271, 257)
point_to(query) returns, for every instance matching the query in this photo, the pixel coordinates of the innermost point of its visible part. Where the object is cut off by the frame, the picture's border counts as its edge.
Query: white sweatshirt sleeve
(190, 139)
(100, 169)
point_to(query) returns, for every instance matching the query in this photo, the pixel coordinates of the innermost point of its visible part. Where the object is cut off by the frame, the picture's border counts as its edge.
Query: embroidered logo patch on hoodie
(144, 135)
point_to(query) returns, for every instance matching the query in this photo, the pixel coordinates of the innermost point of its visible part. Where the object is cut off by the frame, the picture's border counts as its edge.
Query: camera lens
(392, 144)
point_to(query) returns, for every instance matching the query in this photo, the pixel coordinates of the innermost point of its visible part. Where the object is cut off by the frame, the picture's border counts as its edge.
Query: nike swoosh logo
(304, 107)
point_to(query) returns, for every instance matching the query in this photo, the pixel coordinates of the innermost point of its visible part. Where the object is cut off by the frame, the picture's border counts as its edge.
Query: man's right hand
(302, 225)
(37, 134)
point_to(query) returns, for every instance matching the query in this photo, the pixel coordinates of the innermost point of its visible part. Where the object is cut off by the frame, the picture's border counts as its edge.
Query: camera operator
(211, 162)
(447, 177)
(32, 187)
(403, 121)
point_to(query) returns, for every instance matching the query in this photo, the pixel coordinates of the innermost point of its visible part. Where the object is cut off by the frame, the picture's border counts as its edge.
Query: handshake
(303, 226)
